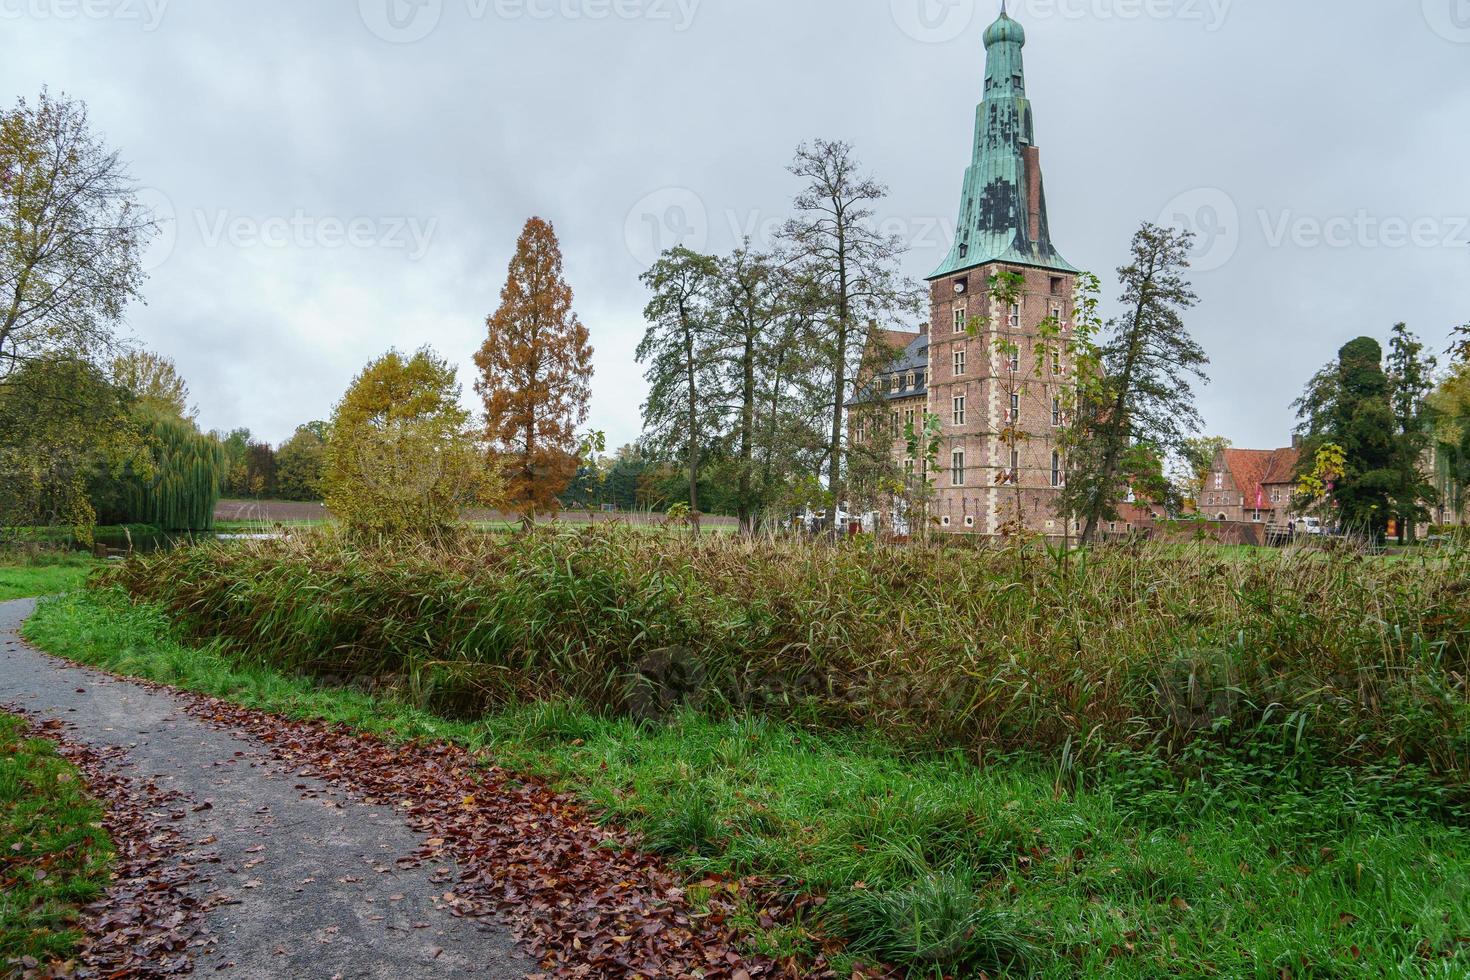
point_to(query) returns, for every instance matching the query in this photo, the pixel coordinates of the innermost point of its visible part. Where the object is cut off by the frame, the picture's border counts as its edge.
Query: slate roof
(913, 356)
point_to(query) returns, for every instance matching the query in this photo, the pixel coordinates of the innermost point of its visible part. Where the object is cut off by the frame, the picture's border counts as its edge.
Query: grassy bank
(54, 856)
(987, 652)
(1224, 862)
(23, 576)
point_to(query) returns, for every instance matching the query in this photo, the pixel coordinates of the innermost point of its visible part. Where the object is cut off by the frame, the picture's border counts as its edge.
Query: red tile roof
(896, 338)
(1255, 469)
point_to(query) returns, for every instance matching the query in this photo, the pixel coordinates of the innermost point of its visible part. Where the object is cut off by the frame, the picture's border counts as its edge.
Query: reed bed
(1358, 658)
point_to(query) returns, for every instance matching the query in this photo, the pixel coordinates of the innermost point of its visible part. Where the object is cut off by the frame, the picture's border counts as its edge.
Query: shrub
(987, 651)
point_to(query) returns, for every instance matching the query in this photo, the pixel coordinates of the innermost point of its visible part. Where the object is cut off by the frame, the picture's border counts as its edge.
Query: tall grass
(985, 651)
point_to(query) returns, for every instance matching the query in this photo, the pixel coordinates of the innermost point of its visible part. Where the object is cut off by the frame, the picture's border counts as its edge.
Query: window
(959, 319)
(862, 432)
(1056, 285)
(1056, 314)
(1056, 364)
(908, 418)
(1219, 481)
(1015, 465)
(959, 410)
(1015, 318)
(1015, 360)
(1056, 469)
(1056, 412)
(1014, 415)
(892, 383)
(896, 429)
(909, 381)
(908, 469)
(959, 362)
(957, 468)
(1275, 496)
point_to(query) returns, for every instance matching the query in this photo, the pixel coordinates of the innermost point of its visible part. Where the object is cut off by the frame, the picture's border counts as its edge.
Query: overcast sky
(345, 176)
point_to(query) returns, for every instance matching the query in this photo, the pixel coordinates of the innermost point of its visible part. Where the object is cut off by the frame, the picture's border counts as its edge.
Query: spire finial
(1003, 8)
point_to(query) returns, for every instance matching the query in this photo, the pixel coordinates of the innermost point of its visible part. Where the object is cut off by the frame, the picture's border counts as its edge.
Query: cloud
(298, 147)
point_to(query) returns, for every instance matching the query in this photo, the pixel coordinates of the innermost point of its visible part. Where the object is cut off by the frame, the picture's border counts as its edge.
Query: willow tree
(179, 490)
(535, 375)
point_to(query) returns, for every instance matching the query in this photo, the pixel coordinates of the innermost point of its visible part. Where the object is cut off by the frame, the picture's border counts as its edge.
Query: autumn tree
(153, 380)
(535, 375)
(299, 463)
(62, 425)
(680, 347)
(402, 457)
(849, 275)
(1148, 362)
(71, 235)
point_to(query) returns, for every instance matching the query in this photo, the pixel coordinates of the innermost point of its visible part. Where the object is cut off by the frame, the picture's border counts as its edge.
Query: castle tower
(999, 407)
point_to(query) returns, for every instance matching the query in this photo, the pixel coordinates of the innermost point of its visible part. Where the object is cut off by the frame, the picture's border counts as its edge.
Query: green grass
(54, 855)
(1254, 862)
(24, 577)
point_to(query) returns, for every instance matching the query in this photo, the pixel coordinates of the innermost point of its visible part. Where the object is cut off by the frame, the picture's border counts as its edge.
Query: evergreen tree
(535, 375)
(1148, 360)
(1351, 407)
(1411, 380)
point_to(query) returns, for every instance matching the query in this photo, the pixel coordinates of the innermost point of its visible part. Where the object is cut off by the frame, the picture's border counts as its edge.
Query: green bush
(985, 651)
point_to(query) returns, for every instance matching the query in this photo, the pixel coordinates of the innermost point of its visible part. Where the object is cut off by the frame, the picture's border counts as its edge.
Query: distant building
(953, 369)
(1251, 486)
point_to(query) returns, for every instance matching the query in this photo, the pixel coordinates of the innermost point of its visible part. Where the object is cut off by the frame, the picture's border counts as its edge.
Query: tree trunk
(747, 429)
(693, 422)
(834, 472)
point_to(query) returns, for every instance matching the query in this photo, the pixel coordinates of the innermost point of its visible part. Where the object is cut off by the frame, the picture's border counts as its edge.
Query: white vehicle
(1311, 526)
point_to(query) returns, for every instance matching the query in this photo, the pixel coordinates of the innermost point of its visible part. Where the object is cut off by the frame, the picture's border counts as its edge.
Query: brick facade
(966, 361)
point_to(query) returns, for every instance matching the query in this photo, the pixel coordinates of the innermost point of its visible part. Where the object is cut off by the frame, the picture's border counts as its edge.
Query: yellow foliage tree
(401, 457)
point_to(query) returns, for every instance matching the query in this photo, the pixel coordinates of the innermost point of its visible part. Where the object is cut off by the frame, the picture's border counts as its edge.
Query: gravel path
(306, 880)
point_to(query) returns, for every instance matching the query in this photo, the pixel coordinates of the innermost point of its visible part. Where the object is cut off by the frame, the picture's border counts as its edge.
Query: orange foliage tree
(535, 375)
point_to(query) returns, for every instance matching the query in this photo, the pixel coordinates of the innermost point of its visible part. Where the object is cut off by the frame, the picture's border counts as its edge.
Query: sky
(338, 177)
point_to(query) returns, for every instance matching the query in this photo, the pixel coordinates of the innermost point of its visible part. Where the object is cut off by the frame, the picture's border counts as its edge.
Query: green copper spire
(1003, 206)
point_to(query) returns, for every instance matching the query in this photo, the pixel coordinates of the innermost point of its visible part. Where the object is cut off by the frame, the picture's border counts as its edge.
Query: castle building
(976, 366)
